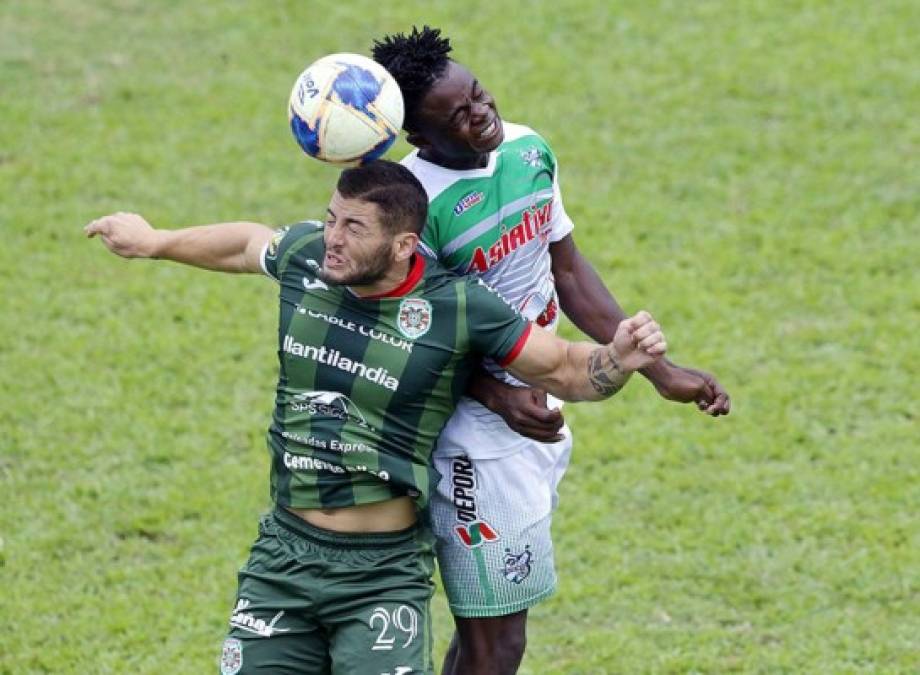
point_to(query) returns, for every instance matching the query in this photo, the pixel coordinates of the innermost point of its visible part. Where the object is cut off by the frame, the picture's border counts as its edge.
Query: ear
(404, 245)
(417, 139)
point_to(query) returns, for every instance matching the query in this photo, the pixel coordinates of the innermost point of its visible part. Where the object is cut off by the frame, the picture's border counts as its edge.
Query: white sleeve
(561, 223)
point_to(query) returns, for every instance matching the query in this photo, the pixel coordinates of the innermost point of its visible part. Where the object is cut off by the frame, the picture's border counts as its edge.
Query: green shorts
(313, 601)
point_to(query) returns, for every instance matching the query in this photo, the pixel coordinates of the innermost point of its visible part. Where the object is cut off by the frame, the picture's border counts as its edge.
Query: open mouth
(333, 261)
(489, 130)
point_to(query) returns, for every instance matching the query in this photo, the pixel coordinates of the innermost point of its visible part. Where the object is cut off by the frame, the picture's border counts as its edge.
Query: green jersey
(367, 383)
(497, 222)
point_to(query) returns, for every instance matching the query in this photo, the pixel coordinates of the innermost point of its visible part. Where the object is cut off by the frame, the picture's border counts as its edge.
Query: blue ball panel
(307, 137)
(357, 88)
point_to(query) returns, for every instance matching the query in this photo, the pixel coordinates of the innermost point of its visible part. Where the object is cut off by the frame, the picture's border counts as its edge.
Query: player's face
(358, 250)
(457, 118)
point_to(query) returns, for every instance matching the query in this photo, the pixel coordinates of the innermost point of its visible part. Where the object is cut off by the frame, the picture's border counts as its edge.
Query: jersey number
(403, 619)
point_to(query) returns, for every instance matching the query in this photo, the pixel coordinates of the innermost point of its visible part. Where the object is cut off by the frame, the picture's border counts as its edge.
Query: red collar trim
(416, 270)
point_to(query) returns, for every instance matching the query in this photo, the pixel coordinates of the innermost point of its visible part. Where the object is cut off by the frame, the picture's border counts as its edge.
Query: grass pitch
(747, 170)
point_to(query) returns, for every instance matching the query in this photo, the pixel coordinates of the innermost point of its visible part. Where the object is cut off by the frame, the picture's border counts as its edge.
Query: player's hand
(125, 234)
(638, 342)
(688, 385)
(525, 411)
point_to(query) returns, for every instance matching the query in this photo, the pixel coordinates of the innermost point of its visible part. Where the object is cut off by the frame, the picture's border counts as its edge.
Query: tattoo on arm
(605, 373)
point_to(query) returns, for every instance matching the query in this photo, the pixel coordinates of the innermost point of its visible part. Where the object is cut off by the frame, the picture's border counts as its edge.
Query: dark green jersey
(366, 384)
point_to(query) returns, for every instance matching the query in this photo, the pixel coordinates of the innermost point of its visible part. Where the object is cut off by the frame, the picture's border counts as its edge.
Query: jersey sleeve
(561, 224)
(284, 240)
(496, 329)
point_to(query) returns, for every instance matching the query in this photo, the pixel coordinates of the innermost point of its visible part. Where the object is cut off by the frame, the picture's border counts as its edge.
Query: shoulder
(292, 242)
(482, 293)
(435, 179)
(515, 133)
(532, 148)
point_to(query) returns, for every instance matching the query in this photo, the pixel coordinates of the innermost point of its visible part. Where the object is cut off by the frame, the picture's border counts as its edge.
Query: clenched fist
(638, 342)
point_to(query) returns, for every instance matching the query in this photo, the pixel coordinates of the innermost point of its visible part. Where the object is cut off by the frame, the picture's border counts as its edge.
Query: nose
(333, 235)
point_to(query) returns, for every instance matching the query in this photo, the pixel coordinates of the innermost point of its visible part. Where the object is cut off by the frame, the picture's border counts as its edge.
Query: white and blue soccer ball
(346, 109)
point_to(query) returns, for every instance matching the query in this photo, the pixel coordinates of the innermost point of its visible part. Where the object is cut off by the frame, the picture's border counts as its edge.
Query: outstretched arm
(580, 371)
(586, 301)
(225, 247)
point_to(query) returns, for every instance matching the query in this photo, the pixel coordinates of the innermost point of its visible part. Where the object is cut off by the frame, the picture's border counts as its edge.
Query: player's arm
(225, 247)
(581, 371)
(588, 303)
(523, 408)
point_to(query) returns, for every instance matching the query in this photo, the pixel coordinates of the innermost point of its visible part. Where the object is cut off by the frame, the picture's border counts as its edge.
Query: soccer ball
(345, 109)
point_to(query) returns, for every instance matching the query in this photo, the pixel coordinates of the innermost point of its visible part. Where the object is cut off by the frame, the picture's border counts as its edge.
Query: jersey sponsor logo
(247, 621)
(468, 202)
(231, 657)
(329, 404)
(327, 444)
(414, 317)
(517, 565)
(306, 463)
(472, 530)
(334, 358)
(358, 328)
(534, 224)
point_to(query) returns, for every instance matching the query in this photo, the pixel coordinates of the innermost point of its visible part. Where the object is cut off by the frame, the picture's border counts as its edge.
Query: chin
(331, 277)
(495, 142)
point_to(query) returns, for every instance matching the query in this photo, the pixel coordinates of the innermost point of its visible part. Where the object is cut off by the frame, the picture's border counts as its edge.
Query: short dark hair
(400, 196)
(415, 61)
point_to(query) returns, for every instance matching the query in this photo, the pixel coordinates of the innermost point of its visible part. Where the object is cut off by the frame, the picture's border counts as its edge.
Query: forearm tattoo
(605, 373)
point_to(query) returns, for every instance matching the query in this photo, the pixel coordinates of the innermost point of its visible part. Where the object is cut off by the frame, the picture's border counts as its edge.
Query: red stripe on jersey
(518, 346)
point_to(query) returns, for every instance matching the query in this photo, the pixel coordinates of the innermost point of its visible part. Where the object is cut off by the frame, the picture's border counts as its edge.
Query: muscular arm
(579, 371)
(592, 308)
(224, 247)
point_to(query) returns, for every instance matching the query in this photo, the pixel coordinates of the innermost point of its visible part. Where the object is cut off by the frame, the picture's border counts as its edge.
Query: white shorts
(492, 518)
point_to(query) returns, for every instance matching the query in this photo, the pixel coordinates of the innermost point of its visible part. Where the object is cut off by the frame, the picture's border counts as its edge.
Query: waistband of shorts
(324, 537)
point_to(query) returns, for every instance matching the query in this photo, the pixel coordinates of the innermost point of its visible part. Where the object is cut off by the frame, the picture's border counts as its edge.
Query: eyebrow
(356, 221)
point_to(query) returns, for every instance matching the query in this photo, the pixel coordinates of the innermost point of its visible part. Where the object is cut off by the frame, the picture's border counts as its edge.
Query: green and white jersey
(497, 223)
(367, 383)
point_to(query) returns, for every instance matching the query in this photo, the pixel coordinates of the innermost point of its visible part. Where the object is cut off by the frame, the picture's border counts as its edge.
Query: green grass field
(750, 171)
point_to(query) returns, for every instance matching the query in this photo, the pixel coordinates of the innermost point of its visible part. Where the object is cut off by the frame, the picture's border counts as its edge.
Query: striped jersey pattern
(366, 384)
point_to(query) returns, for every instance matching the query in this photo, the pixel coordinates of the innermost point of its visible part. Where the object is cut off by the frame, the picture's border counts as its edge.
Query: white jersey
(497, 223)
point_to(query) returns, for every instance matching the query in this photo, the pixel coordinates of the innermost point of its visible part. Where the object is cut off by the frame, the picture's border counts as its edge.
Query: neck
(458, 163)
(395, 276)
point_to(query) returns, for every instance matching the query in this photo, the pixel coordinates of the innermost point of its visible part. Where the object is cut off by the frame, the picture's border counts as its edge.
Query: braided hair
(415, 61)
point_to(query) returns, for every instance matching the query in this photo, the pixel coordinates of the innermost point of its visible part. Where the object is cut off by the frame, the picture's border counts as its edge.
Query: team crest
(231, 657)
(517, 565)
(414, 317)
(531, 157)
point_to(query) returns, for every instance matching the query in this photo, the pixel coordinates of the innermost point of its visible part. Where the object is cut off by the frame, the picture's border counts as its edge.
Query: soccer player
(375, 344)
(496, 212)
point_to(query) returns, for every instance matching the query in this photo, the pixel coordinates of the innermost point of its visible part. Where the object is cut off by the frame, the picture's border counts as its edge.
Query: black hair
(415, 61)
(393, 188)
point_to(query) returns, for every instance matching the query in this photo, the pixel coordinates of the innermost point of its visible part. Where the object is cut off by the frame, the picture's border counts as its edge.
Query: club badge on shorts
(414, 317)
(231, 657)
(517, 565)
